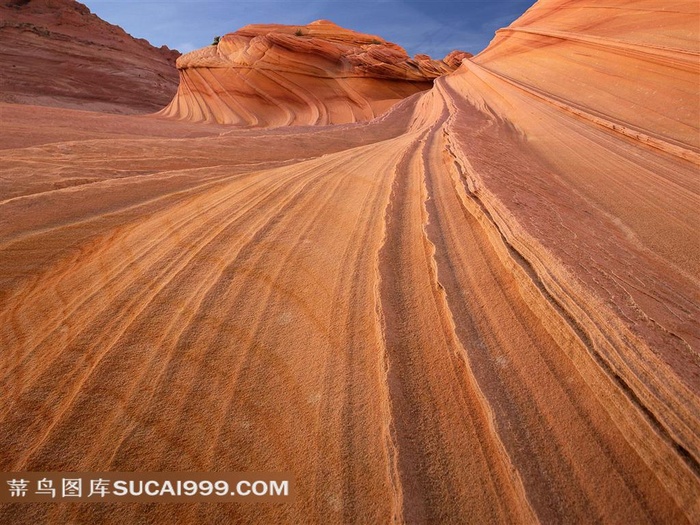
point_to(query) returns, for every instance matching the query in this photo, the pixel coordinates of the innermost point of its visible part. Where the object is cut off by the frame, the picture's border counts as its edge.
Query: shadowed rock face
(57, 53)
(273, 75)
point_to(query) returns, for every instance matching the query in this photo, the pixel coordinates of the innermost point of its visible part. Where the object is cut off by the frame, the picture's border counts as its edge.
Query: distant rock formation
(57, 53)
(274, 75)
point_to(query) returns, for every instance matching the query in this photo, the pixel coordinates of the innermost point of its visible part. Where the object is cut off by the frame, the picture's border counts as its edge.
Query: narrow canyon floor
(424, 317)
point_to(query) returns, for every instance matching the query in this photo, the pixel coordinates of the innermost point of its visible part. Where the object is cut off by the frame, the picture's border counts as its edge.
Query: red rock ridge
(57, 53)
(272, 75)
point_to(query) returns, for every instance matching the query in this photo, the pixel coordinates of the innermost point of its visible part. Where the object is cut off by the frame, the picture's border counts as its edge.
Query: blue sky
(434, 27)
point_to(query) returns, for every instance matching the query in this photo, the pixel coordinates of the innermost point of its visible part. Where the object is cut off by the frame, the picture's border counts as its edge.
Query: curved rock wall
(482, 306)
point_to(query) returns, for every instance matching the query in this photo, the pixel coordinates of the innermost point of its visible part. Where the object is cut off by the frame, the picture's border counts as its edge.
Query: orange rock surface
(57, 53)
(481, 306)
(276, 75)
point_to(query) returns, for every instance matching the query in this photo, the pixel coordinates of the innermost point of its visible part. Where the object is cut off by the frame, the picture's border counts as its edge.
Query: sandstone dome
(273, 75)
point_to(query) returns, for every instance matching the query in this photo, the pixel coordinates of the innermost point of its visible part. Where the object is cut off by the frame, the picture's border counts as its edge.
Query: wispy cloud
(186, 47)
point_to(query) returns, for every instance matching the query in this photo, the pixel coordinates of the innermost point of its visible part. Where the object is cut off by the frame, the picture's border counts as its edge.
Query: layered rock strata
(481, 306)
(57, 53)
(275, 75)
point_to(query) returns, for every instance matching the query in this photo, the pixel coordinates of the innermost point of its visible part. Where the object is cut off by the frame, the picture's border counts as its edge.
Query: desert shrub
(216, 40)
(298, 32)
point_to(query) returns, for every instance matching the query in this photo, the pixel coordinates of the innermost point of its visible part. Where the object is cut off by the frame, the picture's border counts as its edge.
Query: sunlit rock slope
(275, 75)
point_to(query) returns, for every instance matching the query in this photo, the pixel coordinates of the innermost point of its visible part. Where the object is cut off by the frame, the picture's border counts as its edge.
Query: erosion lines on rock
(480, 305)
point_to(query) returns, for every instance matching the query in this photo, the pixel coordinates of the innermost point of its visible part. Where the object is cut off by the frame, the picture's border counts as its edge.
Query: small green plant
(375, 41)
(216, 41)
(298, 32)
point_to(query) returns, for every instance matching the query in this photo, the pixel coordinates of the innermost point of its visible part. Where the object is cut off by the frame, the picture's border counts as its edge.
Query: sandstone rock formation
(57, 53)
(632, 67)
(481, 306)
(275, 75)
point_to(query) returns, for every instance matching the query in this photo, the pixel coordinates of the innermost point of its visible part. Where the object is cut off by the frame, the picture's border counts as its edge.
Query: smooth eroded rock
(274, 75)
